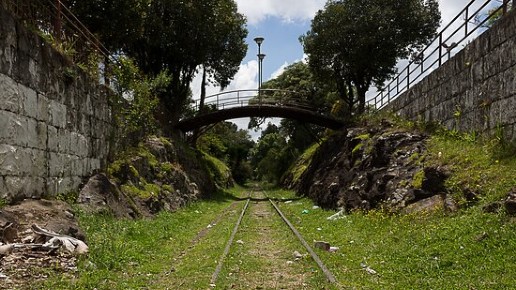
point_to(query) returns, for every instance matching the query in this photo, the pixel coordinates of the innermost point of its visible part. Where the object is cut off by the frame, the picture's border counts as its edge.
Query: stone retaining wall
(475, 90)
(55, 121)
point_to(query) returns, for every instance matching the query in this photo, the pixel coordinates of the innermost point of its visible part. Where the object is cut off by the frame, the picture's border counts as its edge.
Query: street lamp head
(259, 40)
(261, 56)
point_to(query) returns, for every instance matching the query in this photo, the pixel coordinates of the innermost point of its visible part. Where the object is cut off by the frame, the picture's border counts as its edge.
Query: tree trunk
(195, 134)
(361, 92)
(203, 90)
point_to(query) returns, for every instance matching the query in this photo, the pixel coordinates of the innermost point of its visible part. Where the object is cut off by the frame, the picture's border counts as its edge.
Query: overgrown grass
(265, 256)
(302, 163)
(133, 254)
(219, 171)
(484, 166)
(468, 250)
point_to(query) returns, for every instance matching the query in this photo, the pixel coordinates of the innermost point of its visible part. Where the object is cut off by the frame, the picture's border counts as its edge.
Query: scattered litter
(368, 269)
(240, 242)
(288, 201)
(333, 249)
(315, 207)
(319, 229)
(322, 245)
(196, 211)
(305, 211)
(290, 262)
(337, 216)
(3, 276)
(209, 226)
(66, 243)
(213, 285)
(297, 255)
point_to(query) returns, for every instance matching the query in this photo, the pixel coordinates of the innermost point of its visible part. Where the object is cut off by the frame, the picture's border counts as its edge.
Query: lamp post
(261, 56)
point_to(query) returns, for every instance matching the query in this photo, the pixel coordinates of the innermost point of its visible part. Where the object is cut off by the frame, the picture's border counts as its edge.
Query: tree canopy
(172, 36)
(357, 43)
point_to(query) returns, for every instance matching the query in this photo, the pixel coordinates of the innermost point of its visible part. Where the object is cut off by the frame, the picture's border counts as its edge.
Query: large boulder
(100, 195)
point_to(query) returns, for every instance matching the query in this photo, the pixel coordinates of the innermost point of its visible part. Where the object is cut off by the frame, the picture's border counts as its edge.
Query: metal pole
(440, 48)
(259, 41)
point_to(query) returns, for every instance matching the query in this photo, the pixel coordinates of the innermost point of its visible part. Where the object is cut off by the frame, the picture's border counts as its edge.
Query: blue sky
(281, 22)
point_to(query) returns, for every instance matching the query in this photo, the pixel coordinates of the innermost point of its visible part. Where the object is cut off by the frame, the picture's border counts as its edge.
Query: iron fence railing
(440, 50)
(58, 25)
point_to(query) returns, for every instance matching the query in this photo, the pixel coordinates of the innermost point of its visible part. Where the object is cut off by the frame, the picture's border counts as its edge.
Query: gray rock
(430, 204)
(510, 202)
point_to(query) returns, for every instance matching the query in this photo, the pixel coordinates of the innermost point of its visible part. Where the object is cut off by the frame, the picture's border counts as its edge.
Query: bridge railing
(456, 33)
(254, 97)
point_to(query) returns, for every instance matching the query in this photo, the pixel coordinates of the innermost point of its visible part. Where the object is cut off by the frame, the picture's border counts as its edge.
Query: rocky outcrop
(158, 175)
(365, 168)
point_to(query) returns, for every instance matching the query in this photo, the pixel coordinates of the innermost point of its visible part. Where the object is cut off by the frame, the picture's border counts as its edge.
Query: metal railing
(439, 50)
(58, 25)
(253, 97)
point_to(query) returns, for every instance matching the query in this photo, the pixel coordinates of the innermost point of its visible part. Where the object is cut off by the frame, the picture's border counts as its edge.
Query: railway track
(230, 243)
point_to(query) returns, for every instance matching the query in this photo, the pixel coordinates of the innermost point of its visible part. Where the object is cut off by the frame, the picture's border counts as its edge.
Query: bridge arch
(257, 103)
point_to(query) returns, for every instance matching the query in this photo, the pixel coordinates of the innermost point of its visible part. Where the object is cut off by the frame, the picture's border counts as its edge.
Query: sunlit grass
(467, 250)
(133, 254)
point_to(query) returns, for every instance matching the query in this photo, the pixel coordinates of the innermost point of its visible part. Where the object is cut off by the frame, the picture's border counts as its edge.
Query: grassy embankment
(470, 249)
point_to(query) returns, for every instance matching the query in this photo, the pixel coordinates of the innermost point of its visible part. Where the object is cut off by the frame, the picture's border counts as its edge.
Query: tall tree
(176, 36)
(358, 43)
(313, 92)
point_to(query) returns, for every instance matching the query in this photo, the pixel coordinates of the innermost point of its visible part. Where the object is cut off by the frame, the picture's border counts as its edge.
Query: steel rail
(228, 245)
(329, 276)
(316, 258)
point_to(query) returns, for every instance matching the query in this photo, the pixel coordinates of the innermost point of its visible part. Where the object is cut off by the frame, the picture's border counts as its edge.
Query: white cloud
(288, 10)
(246, 77)
(279, 71)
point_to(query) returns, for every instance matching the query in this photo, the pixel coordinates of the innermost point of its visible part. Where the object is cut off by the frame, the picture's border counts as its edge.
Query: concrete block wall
(475, 90)
(55, 121)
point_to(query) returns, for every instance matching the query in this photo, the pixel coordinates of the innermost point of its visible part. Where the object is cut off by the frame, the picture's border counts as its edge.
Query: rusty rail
(316, 258)
(228, 245)
(439, 50)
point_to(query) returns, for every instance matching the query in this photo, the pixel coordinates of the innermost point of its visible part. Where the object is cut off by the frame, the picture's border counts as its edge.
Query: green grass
(468, 250)
(133, 254)
(263, 258)
(486, 167)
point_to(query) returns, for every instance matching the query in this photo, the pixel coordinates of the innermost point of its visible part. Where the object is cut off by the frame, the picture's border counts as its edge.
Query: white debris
(66, 243)
(337, 216)
(368, 269)
(333, 249)
(315, 207)
(297, 255)
(288, 201)
(240, 242)
(6, 249)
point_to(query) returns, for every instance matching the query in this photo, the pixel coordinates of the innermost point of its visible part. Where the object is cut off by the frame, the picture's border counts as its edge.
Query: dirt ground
(22, 266)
